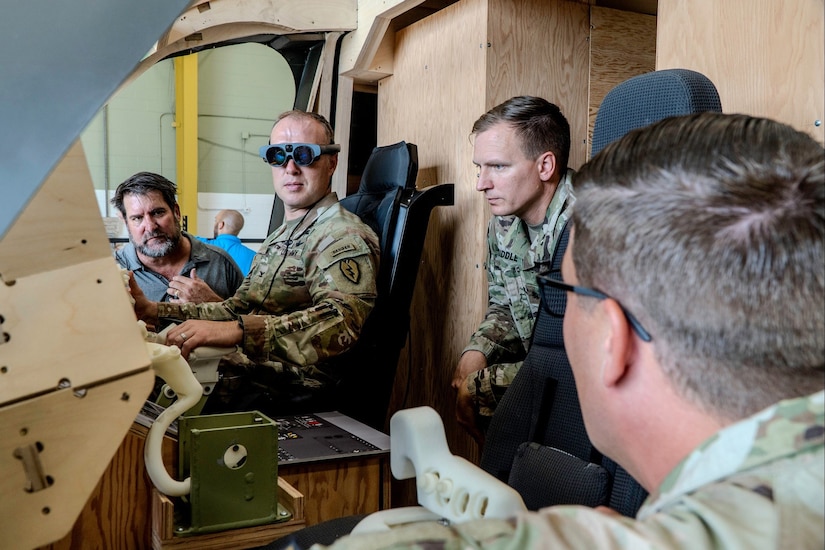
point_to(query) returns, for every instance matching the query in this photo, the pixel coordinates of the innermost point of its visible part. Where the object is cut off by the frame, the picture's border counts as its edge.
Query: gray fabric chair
(650, 97)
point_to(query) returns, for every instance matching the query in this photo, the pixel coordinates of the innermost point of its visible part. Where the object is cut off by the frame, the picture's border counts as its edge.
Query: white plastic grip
(447, 485)
(169, 365)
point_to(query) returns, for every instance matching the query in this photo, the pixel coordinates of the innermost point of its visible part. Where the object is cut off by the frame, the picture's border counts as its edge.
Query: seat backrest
(536, 441)
(389, 202)
(650, 97)
(389, 170)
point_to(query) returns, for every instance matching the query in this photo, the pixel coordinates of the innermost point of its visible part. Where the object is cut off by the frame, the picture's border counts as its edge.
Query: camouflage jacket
(759, 483)
(513, 262)
(307, 295)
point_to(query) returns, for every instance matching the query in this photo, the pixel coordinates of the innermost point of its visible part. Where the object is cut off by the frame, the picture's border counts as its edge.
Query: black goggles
(304, 154)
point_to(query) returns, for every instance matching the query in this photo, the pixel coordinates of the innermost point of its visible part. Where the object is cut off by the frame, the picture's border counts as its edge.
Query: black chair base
(324, 533)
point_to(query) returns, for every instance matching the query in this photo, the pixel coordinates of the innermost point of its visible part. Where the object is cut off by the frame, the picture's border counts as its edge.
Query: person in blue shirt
(228, 223)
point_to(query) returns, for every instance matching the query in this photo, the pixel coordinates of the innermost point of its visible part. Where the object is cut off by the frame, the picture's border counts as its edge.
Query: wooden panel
(215, 21)
(622, 45)
(75, 369)
(78, 436)
(360, 47)
(163, 537)
(338, 488)
(72, 326)
(343, 124)
(436, 93)
(61, 226)
(122, 509)
(766, 57)
(540, 47)
(118, 514)
(326, 69)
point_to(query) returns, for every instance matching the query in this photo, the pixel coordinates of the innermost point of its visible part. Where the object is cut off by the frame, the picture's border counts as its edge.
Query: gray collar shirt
(214, 265)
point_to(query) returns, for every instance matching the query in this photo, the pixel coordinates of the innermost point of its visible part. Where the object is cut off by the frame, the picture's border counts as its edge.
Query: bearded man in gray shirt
(169, 265)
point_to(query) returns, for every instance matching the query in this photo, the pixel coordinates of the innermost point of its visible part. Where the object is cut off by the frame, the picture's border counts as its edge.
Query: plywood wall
(542, 48)
(622, 45)
(766, 57)
(448, 70)
(435, 94)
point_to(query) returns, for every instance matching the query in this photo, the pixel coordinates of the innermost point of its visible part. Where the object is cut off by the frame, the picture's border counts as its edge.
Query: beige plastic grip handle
(447, 485)
(169, 365)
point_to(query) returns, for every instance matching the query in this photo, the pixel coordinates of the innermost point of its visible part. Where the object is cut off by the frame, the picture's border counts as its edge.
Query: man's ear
(546, 164)
(619, 343)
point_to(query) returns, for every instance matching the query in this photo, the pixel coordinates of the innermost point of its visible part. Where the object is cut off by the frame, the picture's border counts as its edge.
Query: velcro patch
(350, 270)
(340, 249)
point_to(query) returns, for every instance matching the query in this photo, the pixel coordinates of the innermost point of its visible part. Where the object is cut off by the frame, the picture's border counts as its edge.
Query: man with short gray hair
(695, 328)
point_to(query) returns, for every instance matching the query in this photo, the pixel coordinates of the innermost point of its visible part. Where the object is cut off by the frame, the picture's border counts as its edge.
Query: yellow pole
(186, 138)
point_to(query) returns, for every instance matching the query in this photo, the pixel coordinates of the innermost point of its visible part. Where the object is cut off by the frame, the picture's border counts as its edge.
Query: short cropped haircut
(141, 184)
(320, 119)
(539, 124)
(709, 228)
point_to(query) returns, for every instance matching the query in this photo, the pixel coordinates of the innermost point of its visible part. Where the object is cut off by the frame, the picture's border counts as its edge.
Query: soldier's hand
(145, 309)
(191, 289)
(470, 362)
(465, 413)
(197, 332)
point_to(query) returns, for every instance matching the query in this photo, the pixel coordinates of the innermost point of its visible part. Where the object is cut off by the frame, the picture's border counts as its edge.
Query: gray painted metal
(60, 61)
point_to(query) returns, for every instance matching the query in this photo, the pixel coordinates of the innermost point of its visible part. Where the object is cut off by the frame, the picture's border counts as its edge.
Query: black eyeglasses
(554, 298)
(304, 154)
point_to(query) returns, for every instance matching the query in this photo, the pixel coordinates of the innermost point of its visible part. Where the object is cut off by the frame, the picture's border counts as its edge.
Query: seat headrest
(650, 97)
(389, 166)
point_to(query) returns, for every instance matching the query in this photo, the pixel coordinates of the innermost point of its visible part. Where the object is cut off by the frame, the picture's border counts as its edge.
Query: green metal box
(233, 462)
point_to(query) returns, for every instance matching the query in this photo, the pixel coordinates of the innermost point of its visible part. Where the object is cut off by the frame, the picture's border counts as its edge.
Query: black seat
(389, 202)
(536, 441)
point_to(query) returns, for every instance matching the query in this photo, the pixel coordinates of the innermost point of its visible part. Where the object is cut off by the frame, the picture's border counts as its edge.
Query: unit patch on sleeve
(350, 270)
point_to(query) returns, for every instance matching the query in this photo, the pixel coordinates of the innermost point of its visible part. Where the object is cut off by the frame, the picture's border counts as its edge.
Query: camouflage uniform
(513, 262)
(307, 294)
(759, 483)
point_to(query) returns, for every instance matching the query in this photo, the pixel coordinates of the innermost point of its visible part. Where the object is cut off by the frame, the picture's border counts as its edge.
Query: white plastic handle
(169, 365)
(448, 485)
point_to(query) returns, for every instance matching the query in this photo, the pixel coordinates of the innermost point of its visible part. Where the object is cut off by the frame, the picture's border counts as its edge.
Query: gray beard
(158, 251)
